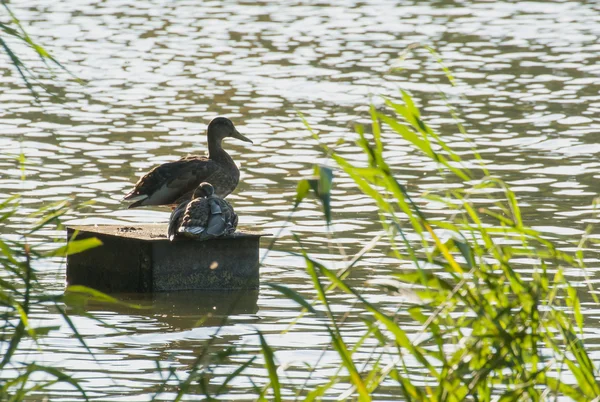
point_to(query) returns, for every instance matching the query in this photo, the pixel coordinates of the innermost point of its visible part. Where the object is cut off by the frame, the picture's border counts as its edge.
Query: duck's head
(222, 127)
(204, 190)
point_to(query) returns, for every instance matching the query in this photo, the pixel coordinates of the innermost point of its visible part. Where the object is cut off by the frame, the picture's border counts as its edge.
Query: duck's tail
(174, 220)
(138, 198)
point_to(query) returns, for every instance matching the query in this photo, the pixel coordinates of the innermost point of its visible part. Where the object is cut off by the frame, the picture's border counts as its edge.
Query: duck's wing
(168, 183)
(175, 220)
(216, 222)
(195, 219)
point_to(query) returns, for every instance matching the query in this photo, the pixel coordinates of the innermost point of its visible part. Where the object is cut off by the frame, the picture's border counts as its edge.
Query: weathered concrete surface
(140, 258)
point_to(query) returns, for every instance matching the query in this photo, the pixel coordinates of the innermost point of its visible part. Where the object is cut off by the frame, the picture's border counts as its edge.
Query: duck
(174, 182)
(205, 217)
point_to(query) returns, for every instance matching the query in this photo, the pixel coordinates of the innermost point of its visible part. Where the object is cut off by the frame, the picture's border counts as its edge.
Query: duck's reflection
(183, 309)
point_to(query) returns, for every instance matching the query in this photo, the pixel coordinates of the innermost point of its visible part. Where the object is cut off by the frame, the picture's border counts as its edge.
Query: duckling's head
(221, 127)
(204, 190)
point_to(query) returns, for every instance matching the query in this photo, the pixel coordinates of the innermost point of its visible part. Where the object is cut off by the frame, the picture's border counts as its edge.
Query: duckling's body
(174, 182)
(206, 216)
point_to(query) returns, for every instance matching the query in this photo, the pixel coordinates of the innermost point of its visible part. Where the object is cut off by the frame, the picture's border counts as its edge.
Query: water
(528, 80)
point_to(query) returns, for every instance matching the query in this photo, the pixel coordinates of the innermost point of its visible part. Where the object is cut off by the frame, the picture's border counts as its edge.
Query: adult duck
(206, 216)
(174, 182)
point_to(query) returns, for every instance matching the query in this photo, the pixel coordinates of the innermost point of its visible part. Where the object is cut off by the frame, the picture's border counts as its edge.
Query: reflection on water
(184, 309)
(528, 81)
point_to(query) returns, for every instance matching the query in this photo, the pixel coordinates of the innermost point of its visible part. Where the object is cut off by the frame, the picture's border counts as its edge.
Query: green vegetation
(14, 31)
(21, 292)
(485, 330)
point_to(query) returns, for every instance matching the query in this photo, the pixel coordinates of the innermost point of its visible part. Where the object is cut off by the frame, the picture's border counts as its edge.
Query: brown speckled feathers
(193, 218)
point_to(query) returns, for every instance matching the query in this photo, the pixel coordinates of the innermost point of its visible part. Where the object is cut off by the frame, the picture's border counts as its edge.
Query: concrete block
(140, 258)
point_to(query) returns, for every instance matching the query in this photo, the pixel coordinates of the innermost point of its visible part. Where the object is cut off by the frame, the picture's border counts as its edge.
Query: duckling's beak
(236, 134)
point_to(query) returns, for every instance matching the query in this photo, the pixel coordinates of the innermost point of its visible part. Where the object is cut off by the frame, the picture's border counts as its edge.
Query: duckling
(174, 182)
(206, 216)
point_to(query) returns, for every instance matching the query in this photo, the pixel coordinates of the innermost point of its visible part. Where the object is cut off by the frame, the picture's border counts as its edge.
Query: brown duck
(206, 216)
(174, 182)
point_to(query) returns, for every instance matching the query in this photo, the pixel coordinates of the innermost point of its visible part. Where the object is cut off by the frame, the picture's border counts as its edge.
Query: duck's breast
(224, 181)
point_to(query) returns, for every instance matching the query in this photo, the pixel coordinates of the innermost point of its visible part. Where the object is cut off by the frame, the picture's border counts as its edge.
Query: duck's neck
(216, 151)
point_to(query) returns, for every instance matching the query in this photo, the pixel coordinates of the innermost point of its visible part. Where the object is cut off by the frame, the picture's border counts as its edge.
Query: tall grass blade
(340, 347)
(271, 367)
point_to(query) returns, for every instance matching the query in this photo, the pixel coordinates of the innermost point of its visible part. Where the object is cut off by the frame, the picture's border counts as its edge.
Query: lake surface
(528, 88)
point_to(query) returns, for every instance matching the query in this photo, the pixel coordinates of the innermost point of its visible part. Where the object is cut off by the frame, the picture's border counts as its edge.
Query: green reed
(11, 29)
(20, 290)
(486, 332)
(21, 293)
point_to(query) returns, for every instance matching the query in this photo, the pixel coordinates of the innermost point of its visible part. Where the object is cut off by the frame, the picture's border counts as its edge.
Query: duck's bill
(236, 134)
